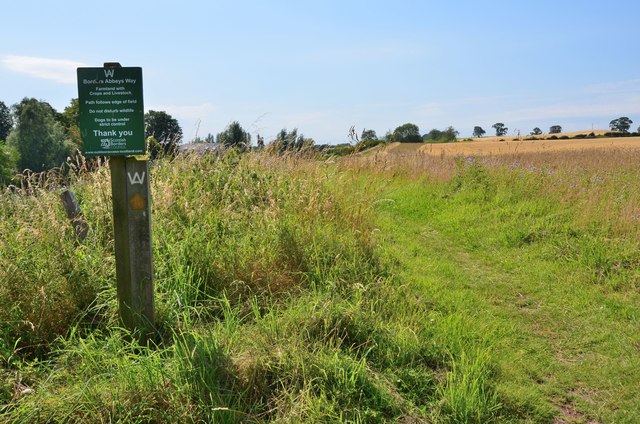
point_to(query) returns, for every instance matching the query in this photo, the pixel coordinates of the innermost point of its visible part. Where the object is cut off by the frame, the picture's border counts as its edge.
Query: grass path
(565, 349)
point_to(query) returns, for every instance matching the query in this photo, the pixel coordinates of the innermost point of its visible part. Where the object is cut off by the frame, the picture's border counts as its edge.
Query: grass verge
(274, 304)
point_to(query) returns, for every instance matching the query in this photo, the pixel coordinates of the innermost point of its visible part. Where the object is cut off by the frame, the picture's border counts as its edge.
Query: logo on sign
(136, 178)
(105, 144)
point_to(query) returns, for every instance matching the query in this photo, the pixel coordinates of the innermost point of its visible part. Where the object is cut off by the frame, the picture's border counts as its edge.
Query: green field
(369, 289)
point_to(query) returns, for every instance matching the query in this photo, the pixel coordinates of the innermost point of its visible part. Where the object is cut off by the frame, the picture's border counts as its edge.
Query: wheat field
(491, 146)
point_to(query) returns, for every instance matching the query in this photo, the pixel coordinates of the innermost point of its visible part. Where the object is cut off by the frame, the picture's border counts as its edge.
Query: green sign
(111, 111)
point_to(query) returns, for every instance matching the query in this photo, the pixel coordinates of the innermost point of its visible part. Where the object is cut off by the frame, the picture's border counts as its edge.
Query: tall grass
(543, 247)
(273, 303)
(277, 297)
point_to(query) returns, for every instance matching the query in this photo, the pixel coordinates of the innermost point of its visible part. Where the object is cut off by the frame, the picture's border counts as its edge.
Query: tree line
(36, 137)
(619, 125)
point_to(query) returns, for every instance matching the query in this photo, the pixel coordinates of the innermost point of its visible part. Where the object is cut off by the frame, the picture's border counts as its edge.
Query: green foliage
(234, 136)
(71, 121)
(436, 136)
(555, 129)
(368, 136)
(339, 150)
(501, 130)
(165, 129)
(621, 124)
(6, 121)
(536, 131)
(367, 144)
(368, 139)
(38, 137)
(478, 131)
(8, 163)
(407, 133)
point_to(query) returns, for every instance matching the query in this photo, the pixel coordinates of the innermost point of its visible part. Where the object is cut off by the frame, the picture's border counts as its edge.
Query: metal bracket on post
(132, 232)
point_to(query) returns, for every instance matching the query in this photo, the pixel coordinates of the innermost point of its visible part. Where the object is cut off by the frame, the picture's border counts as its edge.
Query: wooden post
(74, 214)
(132, 232)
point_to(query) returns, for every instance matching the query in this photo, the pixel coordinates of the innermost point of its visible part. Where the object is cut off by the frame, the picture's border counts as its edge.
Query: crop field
(523, 146)
(396, 286)
(491, 146)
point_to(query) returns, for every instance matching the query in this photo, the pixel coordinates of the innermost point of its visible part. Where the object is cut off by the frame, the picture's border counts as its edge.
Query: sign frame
(111, 106)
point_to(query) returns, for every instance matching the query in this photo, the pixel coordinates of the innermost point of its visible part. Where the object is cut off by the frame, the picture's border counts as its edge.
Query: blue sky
(323, 66)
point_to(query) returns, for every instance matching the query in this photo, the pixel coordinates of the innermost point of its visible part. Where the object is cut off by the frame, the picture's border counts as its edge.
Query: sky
(325, 66)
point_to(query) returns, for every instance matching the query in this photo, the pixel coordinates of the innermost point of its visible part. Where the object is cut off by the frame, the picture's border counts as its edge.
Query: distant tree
(70, 118)
(260, 142)
(165, 130)
(433, 135)
(536, 131)
(407, 133)
(437, 136)
(555, 129)
(450, 134)
(6, 122)
(38, 137)
(368, 135)
(478, 132)
(500, 129)
(234, 136)
(286, 141)
(621, 124)
(303, 143)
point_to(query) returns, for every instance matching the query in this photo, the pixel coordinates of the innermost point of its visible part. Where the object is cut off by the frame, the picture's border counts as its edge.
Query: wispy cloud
(62, 71)
(615, 87)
